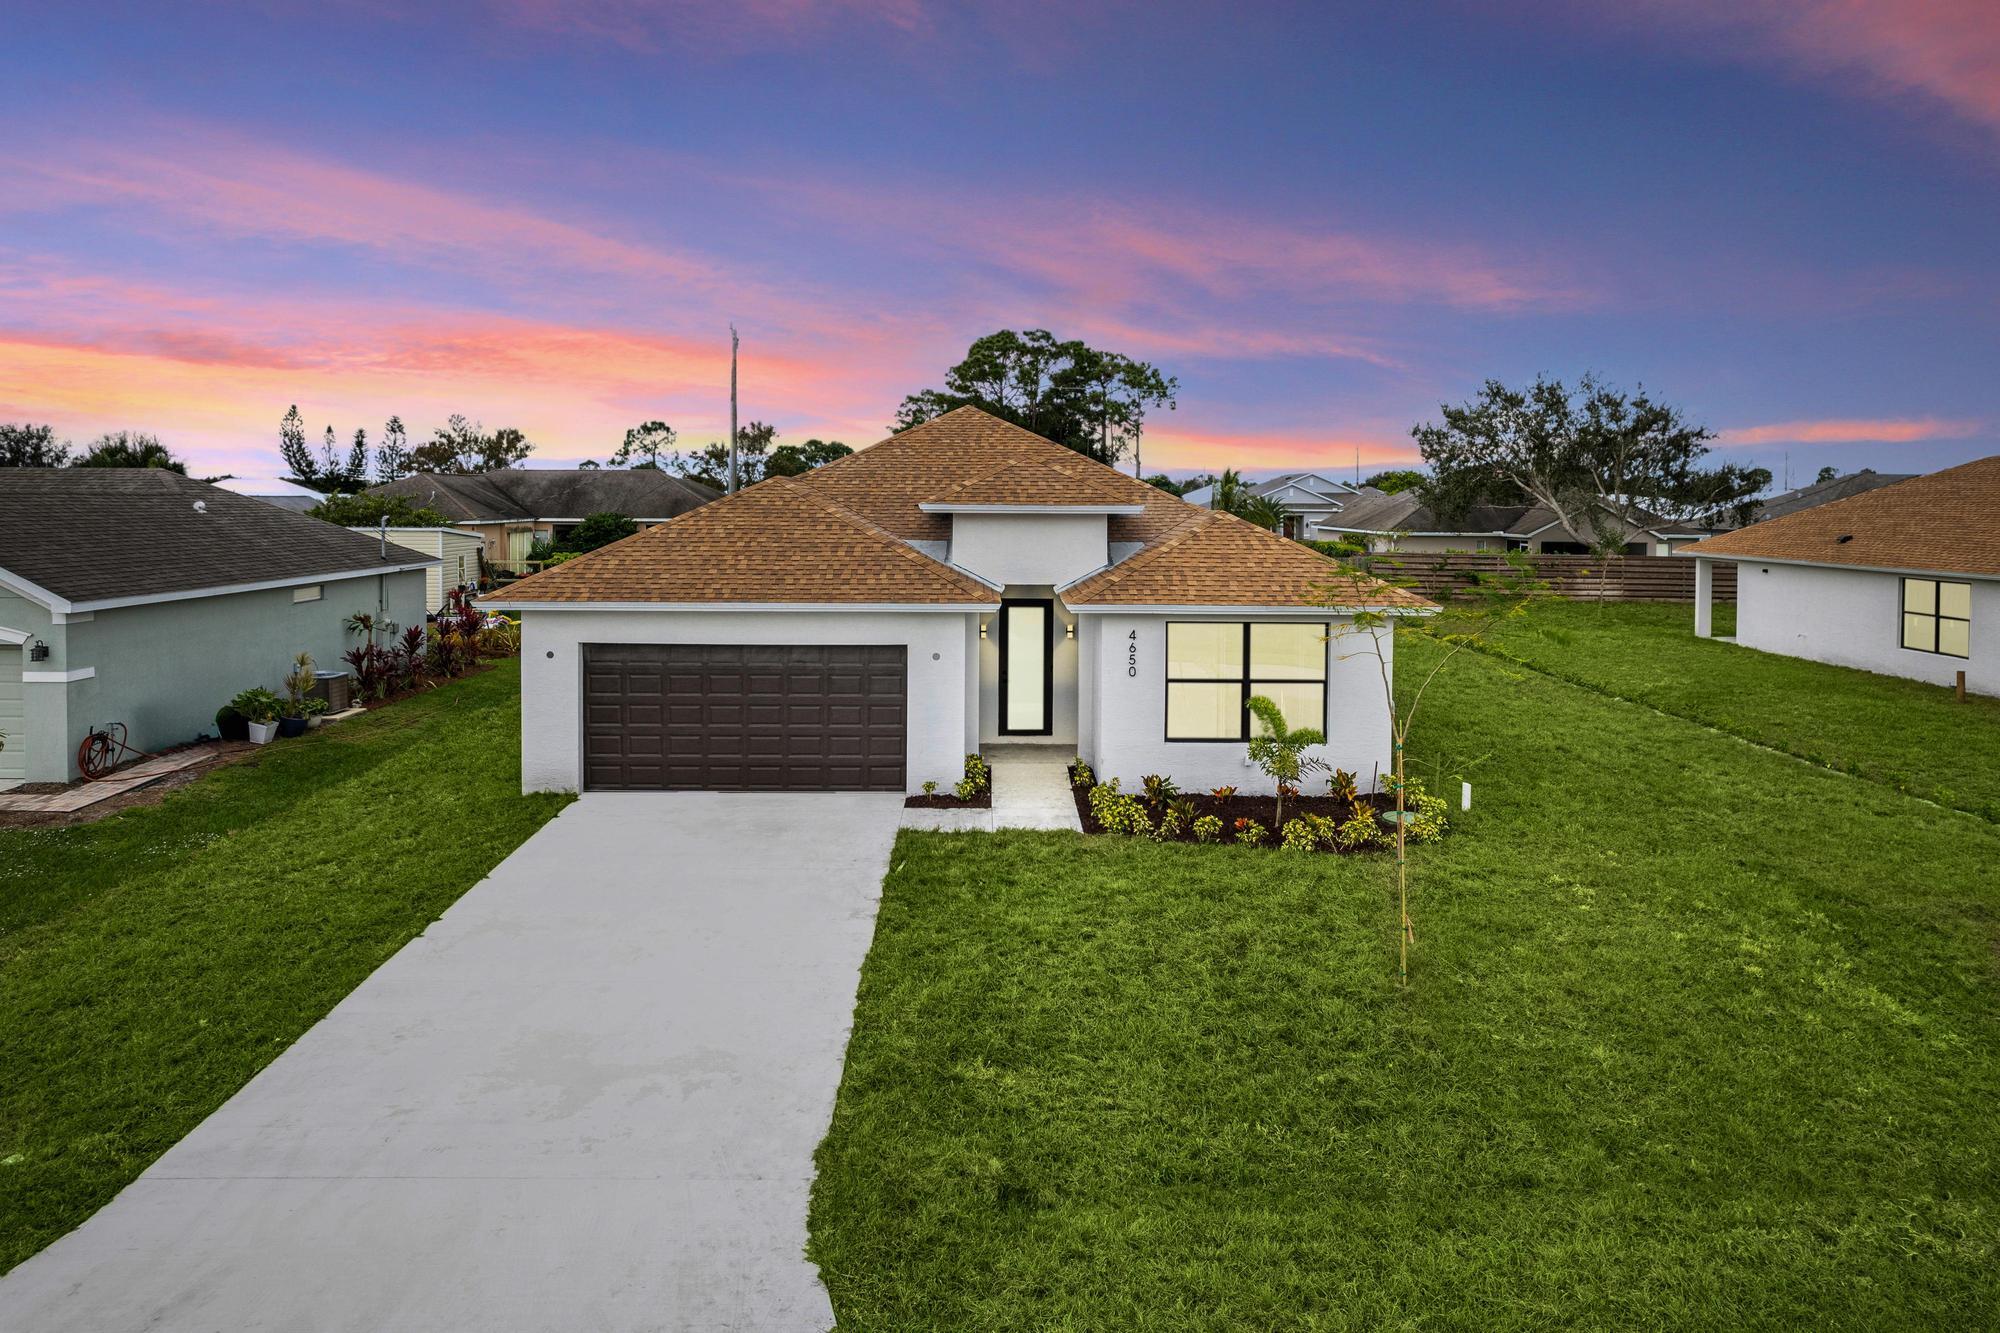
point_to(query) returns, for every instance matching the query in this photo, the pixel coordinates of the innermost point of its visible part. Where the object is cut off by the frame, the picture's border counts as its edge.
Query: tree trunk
(1402, 876)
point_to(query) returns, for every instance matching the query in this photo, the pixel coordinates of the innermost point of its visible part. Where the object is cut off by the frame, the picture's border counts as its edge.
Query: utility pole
(732, 409)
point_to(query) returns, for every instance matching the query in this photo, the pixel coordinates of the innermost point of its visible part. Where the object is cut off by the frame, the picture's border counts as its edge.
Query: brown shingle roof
(885, 482)
(1220, 560)
(776, 541)
(1036, 482)
(1947, 521)
(842, 535)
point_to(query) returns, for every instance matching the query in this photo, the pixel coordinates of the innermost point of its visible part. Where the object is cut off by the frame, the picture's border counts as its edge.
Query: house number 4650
(1132, 653)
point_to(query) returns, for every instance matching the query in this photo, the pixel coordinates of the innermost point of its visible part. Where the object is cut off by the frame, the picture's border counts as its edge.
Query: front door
(1027, 639)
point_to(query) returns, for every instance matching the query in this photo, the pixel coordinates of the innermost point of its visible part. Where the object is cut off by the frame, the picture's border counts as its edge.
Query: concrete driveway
(587, 1098)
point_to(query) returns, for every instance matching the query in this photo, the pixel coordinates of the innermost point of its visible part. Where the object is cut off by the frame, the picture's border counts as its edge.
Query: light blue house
(140, 596)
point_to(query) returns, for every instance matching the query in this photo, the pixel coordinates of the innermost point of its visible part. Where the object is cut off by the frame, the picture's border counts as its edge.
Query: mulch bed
(946, 801)
(1263, 809)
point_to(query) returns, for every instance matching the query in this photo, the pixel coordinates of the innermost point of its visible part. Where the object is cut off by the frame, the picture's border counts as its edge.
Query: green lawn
(1697, 1036)
(152, 962)
(1910, 736)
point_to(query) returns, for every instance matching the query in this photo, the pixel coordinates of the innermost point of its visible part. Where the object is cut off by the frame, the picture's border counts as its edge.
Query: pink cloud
(626, 326)
(212, 372)
(242, 188)
(1948, 50)
(1893, 430)
(1138, 250)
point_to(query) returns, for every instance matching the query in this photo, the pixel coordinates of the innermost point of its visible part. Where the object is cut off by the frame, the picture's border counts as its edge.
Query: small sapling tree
(1281, 752)
(1493, 598)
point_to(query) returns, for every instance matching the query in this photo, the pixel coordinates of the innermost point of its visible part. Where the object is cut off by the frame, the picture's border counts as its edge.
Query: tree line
(24, 444)
(1603, 460)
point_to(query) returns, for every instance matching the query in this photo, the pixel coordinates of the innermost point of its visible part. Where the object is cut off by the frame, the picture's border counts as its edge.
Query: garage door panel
(750, 717)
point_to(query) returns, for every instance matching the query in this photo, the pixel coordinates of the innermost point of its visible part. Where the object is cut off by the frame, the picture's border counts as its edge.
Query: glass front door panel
(1027, 649)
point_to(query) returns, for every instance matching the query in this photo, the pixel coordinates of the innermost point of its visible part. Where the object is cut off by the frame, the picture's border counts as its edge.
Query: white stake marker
(1465, 795)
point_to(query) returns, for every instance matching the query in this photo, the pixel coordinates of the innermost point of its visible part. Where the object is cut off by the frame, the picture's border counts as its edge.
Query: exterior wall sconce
(38, 651)
(982, 629)
(1069, 631)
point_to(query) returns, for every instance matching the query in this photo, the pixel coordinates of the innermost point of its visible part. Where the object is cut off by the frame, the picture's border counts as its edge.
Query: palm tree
(1256, 509)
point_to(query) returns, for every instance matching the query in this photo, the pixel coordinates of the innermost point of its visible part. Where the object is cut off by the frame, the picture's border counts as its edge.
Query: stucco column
(1704, 597)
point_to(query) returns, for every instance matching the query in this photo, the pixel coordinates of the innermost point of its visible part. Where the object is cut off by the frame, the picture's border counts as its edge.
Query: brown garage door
(743, 717)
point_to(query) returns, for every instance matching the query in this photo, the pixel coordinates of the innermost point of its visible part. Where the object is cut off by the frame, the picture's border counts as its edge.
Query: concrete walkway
(1030, 790)
(587, 1098)
(82, 795)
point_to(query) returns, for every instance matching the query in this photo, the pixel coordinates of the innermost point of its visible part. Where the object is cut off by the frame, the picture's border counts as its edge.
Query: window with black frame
(1214, 667)
(1937, 617)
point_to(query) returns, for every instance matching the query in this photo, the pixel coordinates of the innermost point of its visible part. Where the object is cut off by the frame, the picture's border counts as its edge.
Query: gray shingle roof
(93, 534)
(1826, 492)
(569, 493)
(1372, 511)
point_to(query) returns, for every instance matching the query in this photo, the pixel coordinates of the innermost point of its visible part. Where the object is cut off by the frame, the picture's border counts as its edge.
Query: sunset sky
(1326, 219)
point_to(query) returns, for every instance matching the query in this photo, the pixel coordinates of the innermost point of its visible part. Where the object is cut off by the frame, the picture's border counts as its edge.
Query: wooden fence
(1622, 578)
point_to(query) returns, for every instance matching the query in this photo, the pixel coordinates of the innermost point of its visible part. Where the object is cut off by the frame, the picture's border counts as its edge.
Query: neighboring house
(135, 595)
(272, 491)
(1402, 522)
(457, 550)
(964, 583)
(1825, 492)
(1903, 580)
(512, 508)
(1306, 498)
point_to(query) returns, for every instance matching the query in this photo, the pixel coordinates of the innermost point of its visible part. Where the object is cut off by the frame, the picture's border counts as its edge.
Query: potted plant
(258, 707)
(315, 710)
(298, 685)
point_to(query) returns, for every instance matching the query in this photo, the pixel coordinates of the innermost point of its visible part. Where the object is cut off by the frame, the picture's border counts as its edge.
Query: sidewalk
(1030, 790)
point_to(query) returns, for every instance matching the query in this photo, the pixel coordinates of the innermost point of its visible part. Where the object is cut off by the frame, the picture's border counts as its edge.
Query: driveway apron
(586, 1098)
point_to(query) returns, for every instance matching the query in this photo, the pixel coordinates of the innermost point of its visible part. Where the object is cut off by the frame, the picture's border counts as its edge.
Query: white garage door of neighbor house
(13, 718)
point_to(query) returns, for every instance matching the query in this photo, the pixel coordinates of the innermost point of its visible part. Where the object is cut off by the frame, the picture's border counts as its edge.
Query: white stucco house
(962, 584)
(1903, 580)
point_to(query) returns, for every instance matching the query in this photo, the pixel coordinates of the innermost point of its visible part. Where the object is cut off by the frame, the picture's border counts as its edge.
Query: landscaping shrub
(1080, 775)
(1298, 836)
(1250, 833)
(977, 780)
(1208, 829)
(1119, 812)
(1429, 820)
(1361, 830)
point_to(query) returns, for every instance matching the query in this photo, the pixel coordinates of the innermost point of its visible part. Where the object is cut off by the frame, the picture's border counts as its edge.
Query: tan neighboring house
(963, 584)
(1903, 580)
(511, 508)
(458, 552)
